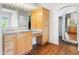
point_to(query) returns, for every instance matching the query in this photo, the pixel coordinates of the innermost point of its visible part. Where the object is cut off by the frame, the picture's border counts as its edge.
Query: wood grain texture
(40, 20)
(51, 49)
(73, 36)
(9, 44)
(23, 42)
(37, 19)
(72, 29)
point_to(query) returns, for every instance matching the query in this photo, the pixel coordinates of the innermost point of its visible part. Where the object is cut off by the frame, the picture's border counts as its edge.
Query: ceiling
(23, 6)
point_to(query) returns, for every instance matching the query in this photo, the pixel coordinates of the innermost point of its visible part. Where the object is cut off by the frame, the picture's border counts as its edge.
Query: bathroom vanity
(17, 42)
(17, 36)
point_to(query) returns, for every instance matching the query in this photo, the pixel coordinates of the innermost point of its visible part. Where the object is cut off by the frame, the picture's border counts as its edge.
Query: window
(5, 18)
(8, 18)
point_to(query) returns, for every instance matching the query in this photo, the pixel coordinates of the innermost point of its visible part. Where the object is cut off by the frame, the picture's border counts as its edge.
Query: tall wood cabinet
(40, 20)
(37, 19)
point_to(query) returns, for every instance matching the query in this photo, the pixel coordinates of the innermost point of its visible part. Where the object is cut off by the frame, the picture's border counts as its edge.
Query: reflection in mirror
(71, 26)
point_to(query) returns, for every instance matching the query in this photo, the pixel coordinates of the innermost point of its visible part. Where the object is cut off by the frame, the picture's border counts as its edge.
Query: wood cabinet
(28, 44)
(37, 19)
(40, 20)
(72, 29)
(23, 42)
(9, 44)
(18, 43)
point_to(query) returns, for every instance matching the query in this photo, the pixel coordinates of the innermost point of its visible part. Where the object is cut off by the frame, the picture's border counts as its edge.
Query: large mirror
(68, 24)
(71, 26)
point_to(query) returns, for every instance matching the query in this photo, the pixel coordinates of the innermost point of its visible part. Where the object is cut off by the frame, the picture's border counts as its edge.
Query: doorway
(71, 27)
(60, 29)
(68, 25)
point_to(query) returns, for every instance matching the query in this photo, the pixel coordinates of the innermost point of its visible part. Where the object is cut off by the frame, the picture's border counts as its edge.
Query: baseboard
(56, 43)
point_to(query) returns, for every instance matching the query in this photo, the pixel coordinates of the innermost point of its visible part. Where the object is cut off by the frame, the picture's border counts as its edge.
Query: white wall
(54, 21)
(0, 37)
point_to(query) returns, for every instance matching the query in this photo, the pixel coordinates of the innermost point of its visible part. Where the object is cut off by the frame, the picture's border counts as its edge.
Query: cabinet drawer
(9, 53)
(45, 38)
(9, 37)
(27, 34)
(8, 45)
(24, 34)
(28, 44)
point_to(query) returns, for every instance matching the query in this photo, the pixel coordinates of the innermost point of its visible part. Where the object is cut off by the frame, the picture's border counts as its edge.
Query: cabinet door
(28, 41)
(8, 46)
(28, 44)
(45, 34)
(9, 43)
(20, 45)
(45, 38)
(33, 20)
(23, 42)
(46, 16)
(37, 18)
